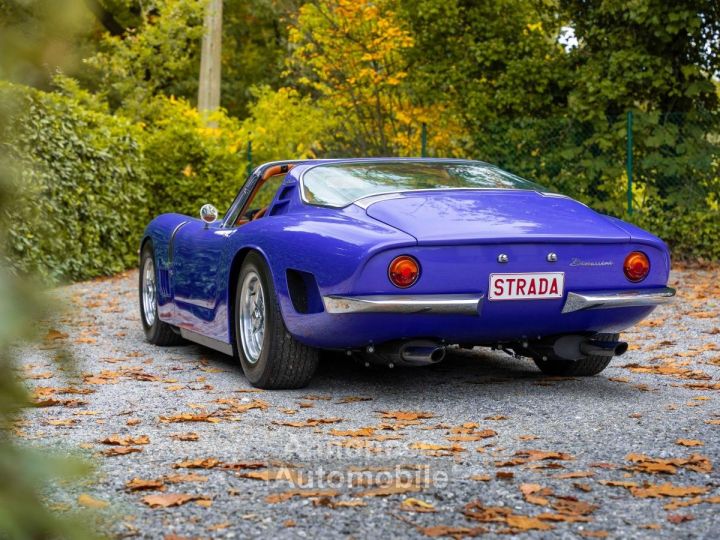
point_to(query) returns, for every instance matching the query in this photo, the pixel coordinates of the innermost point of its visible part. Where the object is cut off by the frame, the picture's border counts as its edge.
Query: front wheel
(270, 357)
(157, 332)
(585, 367)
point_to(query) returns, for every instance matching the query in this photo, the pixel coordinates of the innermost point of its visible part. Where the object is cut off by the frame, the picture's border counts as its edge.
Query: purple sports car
(393, 261)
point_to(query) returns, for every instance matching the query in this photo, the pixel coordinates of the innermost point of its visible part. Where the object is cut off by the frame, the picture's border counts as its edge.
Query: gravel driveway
(479, 444)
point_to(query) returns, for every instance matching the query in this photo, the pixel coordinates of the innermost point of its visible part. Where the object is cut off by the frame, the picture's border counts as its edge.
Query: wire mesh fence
(632, 163)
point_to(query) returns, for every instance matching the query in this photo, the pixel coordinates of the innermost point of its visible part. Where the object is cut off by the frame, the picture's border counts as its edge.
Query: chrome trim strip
(617, 299)
(455, 304)
(205, 341)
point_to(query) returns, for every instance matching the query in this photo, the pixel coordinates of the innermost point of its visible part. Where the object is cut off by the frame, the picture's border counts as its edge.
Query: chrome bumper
(454, 304)
(617, 299)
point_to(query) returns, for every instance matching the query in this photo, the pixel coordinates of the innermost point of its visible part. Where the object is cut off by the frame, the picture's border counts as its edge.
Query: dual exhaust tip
(425, 352)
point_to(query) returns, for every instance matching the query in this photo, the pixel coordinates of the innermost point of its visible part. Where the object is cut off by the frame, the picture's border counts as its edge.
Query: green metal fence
(632, 163)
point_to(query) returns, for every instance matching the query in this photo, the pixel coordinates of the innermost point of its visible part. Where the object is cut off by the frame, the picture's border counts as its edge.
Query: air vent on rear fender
(304, 292)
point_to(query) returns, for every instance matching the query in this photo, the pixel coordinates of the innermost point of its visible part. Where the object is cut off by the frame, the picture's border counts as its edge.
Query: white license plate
(539, 286)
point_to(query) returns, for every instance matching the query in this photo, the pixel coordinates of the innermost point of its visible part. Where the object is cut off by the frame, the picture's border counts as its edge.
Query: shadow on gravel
(463, 372)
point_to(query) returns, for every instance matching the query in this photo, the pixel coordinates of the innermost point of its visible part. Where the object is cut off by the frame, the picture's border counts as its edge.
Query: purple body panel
(456, 235)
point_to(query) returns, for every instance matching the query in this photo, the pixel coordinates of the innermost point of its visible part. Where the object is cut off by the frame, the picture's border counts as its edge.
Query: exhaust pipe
(577, 347)
(408, 353)
(593, 347)
(421, 355)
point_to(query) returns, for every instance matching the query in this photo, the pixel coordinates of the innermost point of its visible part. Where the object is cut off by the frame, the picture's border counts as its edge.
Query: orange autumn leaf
(667, 490)
(689, 442)
(138, 484)
(310, 422)
(172, 499)
(416, 505)
(200, 463)
(406, 415)
(362, 432)
(307, 493)
(116, 440)
(526, 523)
(121, 451)
(90, 502)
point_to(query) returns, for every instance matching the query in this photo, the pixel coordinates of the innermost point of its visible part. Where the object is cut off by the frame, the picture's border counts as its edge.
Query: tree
(210, 58)
(353, 56)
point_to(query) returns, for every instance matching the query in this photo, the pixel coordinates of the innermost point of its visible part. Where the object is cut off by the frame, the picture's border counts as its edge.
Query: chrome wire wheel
(149, 292)
(252, 316)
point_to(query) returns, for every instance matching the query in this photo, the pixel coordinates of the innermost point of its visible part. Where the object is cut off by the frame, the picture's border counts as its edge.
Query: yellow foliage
(351, 53)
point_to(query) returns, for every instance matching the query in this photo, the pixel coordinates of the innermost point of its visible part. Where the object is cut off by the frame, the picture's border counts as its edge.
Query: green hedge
(91, 180)
(80, 208)
(189, 164)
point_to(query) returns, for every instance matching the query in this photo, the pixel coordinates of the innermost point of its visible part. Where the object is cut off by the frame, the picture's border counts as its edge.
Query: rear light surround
(404, 271)
(636, 266)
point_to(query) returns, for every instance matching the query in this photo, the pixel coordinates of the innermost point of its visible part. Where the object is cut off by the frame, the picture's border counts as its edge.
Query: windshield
(339, 184)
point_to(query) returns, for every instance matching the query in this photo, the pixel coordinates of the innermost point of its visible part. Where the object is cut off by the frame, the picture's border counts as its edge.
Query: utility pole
(209, 89)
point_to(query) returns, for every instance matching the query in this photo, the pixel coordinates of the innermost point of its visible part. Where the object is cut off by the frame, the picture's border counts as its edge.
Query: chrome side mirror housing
(209, 214)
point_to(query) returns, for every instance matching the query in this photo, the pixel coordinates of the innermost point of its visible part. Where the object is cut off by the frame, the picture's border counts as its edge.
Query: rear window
(339, 184)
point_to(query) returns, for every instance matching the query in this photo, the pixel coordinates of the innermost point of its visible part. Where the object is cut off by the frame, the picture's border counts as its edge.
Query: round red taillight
(637, 266)
(403, 271)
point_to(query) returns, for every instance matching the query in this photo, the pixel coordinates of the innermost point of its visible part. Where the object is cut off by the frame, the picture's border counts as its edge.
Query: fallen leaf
(689, 442)
(480, 477)
(416, 505)
(138, 484)
(190, 417)
(306, 493)
(406, 415)
(185, 437)
(90, 502)
(125, 441)
(310, 422)
(121, 451)
(680, 518)
(667, 490)
(526, 523)
(456, 532)
(200, 463)
(181, 478)
(167, 500)
(284, 473)
(353, 399)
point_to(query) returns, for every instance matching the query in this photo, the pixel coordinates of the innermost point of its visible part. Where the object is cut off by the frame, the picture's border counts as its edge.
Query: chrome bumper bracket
(448, 304)
(579, 301)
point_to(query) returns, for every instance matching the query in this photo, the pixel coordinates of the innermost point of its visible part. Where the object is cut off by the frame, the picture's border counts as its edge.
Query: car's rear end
(516, 268)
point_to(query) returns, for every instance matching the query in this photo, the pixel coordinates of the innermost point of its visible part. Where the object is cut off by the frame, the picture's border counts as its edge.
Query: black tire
(157, 332)
(587, 367)
(283, 362)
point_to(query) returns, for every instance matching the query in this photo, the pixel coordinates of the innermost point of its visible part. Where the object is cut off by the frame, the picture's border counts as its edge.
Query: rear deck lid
(492, 216)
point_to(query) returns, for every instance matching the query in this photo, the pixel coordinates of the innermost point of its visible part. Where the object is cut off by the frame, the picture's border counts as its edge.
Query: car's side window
(259, 201)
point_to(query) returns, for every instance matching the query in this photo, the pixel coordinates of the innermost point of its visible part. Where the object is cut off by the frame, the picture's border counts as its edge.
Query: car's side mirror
(209, 214)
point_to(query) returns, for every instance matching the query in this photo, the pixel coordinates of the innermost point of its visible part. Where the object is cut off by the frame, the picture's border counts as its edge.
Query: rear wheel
(586, 367)
(270, 357)
(157, 332)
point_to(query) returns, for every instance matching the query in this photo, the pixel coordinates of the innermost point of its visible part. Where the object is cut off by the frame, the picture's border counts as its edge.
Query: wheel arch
(233, 275)
(146, 238)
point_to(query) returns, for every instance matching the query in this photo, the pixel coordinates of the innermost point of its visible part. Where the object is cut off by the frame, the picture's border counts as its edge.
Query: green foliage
(81, 209)
(160, 56)
(189, 163)
(159, 51)
(286, 125)
(25, 473)
(37, 37)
